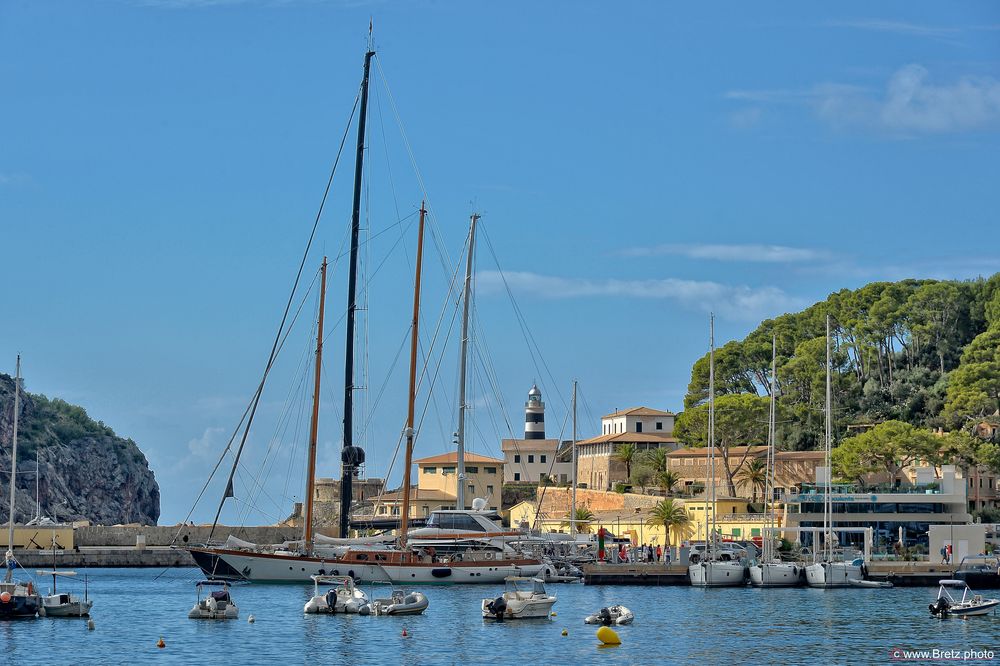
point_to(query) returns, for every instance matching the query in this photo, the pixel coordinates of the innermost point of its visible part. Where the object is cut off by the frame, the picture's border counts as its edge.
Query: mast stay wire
(278, 336)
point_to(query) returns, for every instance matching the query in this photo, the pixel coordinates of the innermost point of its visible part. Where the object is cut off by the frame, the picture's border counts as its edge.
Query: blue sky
(637, 165)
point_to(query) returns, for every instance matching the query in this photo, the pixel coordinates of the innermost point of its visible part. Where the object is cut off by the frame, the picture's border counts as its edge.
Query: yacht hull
(776, 574)
(269, 567)
(833, 574)
(717, 574)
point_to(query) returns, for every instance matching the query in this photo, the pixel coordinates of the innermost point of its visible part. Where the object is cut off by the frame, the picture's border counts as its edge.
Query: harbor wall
(164, 535)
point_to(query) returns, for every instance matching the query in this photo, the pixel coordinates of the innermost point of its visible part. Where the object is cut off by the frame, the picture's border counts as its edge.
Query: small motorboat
(524, 598)
(341, 597)
(214, 604)
(970, 603)
(60, 604)
(870, 583)
(616, 614)
(400, 603)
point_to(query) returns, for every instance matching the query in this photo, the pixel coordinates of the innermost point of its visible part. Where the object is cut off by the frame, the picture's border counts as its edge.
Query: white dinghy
(617, 615)
(214, 604)
(341, 597)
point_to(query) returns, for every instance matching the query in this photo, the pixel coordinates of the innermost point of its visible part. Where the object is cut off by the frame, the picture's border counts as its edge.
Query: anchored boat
(524, 598)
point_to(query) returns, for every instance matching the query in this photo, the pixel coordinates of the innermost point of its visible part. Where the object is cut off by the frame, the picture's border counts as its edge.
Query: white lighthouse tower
(534, 415)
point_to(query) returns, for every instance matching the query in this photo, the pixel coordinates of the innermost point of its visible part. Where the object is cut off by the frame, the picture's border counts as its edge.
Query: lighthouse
(534, 415)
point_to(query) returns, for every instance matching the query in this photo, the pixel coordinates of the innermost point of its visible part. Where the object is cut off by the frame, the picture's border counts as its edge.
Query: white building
(638, 419)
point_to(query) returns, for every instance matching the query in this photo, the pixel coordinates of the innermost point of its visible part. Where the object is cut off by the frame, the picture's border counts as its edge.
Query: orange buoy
(405, 634)
(160, 643)
(5, 597)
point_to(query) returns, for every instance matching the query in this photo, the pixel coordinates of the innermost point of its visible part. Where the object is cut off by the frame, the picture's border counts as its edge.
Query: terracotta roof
(417, 495)
(452, 457)
(628, 437)
(638, 411)
(701, 452)
(519, 445)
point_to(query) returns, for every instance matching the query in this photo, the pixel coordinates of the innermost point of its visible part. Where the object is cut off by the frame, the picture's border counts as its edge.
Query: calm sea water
(673, 624)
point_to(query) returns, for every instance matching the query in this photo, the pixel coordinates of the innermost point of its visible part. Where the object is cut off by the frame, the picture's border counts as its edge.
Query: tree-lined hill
(924, 353)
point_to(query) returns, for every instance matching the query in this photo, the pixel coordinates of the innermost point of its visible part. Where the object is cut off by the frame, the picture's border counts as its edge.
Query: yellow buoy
(553, 613)
(608, 636)
(565, 633)
(160, 643)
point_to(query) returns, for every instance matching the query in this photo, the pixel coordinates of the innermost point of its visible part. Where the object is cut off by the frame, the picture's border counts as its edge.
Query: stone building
(597, 464)
(437, 485)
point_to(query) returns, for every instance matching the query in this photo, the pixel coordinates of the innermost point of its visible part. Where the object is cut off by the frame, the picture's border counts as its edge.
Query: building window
(659, 425)
(395, 510)
(426, 509)
(531, 458)
(472, 489)
(430, 470)
(638, 426)
(541, 458)
(517, 476)
(737, 532)
(517, 457)
(472, 470)
(489, 470)
(489, 490)
(447, 470)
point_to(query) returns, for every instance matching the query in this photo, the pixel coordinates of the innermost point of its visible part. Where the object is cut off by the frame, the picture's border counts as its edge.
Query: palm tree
(755, 476)
(668, 480)
(626, 453)
(656, 458)
(583, 518)
(670, 515)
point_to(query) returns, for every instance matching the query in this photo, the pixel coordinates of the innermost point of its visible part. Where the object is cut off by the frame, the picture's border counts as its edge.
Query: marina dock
(900, 574)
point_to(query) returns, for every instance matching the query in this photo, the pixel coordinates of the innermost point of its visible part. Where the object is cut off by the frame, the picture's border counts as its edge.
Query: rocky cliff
(86, 472)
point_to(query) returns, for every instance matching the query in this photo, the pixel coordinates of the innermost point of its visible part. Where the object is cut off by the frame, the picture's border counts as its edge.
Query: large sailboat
(770, 571)
(718, 567)
(402, 559)
(18, 599)
(833, 570)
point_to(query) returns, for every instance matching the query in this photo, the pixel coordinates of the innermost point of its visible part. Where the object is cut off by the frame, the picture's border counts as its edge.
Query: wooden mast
(404, 518)
(314, 426)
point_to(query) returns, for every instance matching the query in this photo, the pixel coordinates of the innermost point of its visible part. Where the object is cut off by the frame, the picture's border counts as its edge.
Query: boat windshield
(455, 521)
(537, 586)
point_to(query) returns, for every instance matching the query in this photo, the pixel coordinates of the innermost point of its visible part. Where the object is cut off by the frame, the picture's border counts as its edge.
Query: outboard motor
(940, 607)
(604, 615)
(498, 607)
(331, 601)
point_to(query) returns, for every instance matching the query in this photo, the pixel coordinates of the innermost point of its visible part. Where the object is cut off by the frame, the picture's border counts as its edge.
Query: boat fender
(31, 588)
(5, 597)
(864, 570)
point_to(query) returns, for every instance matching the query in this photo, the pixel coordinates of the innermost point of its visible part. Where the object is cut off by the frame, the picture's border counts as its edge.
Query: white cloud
(209, 444)
(755, 253)
(910, 104)
(731, 301)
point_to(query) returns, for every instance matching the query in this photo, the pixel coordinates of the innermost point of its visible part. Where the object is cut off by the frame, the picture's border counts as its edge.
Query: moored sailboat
(770, 571)
(18, 599)
(833, 570)
(717, 568)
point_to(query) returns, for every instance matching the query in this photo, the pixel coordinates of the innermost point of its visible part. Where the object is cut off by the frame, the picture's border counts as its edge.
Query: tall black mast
(353, 456)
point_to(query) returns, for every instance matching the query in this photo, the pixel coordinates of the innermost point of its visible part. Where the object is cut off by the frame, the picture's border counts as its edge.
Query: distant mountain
(87, 472)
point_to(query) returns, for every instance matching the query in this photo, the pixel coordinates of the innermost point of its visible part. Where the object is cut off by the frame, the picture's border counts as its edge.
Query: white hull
(776, 574)
(262, 567)
(983, 609)
(717, 574)
(52, 607)
(833, 574)
(523, 610)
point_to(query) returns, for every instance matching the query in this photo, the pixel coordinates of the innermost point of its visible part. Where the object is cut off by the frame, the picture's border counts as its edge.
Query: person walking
(659, 553)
